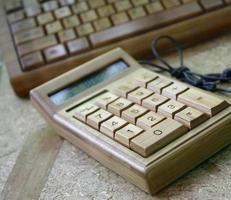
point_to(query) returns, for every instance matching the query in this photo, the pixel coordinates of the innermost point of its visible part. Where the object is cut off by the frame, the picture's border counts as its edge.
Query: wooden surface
(77, 176)
(24, 81)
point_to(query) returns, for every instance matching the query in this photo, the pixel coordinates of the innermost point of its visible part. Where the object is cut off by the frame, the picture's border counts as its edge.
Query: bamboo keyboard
(134, 120)
(58, 35)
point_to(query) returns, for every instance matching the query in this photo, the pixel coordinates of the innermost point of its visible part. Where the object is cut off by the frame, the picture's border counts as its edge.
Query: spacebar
(144, 24)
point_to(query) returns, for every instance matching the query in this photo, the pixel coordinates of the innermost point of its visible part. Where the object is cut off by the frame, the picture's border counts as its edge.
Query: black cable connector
(208, 82)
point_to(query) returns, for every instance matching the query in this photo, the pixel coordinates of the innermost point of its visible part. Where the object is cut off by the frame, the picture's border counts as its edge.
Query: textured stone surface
(77, 176)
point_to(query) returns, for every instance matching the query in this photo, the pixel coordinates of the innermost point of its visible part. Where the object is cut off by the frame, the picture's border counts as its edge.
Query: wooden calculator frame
(151, 173)
(24, 81)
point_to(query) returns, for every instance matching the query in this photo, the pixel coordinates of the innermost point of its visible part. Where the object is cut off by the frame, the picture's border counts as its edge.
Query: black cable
(210, 82)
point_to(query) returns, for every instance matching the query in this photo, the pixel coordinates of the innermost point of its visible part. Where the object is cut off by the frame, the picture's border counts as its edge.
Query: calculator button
(170, 108)
(139, 94)
(157, 137)
(149, 120)
(79, 7)
(97, 118)
(158, 84)
(128, 132)
(54, 27)
(153, 101)
(202, 101)
(111, 125)
(170, 3)
(133, 112)
(143, 78)
(71, 21)
(119, 18)
(103, 100)
(173, 90)
(190, 117)
(84, 110)
(32, 10)
(118, 106)
(15, 16)
(124, 89)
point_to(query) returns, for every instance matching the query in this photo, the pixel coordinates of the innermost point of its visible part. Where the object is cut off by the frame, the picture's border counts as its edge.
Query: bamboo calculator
(146, 127)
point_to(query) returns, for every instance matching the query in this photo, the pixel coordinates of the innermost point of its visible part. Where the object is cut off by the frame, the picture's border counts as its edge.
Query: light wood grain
(33, 165)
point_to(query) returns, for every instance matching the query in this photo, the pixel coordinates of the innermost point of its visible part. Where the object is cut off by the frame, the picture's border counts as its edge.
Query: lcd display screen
(107, 72)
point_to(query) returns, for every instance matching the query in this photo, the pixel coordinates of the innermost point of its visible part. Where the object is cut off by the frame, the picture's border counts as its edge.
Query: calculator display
(64, 94)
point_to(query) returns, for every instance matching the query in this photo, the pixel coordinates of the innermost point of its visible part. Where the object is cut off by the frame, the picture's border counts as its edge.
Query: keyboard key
(15, 16)
(159, 84)
(173, 90)
(123, 5)
(38, 44)
(110, 126)
(139, 94)
(132, 113)
(12, 5)
(127, 133)
(119, 18)
(27, 35)
(142, 79)
(66, 2)
(32, 60)
(154, 7)
(79, 7)
(23, 24)
(32, 10)
(118, 106)
(54, 27)
(102, 24)
(202, 101)
(153, 101)
(140, 2)
(84, 110)
(124, 88)
(149, 120)
(170, 108)
(45, 18)
(157, 137)
(97, 118)
(190, 117)
(66, 35)
(84, 29)
(50, 5)
(55, 53)
(70, 22)
(209, 5)
(78, 45)
(144, 24)
(106, 11)
(103, 100)
(62, 12)
(96, 3)
(88, 16)
(170, 3)
(136, 12)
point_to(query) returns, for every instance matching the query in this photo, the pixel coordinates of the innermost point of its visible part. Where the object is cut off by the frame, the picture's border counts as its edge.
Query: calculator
(146, 127)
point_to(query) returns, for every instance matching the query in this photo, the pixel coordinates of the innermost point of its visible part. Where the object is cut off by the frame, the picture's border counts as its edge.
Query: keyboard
(51, 37)
(144, 126)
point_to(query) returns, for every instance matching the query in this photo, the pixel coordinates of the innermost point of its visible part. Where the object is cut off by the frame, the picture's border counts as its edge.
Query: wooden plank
(33, 165)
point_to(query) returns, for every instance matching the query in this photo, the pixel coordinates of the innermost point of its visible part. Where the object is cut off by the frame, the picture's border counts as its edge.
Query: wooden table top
(28, 148)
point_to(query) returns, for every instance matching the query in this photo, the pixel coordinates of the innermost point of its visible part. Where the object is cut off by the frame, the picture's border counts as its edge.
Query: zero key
(202, 101)
(157, 137)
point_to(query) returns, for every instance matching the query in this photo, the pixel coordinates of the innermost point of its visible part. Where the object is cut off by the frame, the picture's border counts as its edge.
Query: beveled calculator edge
(144, 176)
(144, 172)
(22, 81)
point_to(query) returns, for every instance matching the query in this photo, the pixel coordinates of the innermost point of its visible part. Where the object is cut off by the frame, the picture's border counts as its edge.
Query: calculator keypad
(148, 113)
